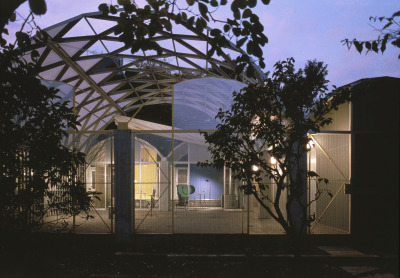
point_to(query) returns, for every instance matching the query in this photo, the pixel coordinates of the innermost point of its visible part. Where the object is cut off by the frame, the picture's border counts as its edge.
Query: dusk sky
(304, 30)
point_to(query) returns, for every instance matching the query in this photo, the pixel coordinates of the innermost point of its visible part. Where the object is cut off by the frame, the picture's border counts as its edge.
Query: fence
(174, 195)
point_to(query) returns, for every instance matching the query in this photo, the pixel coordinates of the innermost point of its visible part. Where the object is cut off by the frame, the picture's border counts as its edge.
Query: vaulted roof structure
(103, 79)
(108, 80)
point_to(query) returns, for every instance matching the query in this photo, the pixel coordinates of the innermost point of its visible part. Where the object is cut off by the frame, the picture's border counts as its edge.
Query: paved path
(353, 262)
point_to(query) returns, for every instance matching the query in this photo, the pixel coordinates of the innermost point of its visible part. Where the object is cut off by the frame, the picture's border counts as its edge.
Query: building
(143, 163)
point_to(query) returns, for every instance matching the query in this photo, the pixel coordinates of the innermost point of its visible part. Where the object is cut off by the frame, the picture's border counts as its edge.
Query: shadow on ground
(70, 255)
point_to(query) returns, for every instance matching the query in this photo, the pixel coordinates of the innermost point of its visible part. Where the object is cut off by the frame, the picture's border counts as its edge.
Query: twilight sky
(307, 29)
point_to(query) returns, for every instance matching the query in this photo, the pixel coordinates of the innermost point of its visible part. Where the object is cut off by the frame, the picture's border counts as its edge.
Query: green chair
(183, 195)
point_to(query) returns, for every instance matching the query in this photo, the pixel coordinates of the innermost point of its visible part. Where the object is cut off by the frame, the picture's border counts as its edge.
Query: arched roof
(197, 102)
(108, 80)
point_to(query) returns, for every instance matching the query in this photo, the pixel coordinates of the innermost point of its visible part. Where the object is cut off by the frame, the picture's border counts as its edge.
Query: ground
(71, 255)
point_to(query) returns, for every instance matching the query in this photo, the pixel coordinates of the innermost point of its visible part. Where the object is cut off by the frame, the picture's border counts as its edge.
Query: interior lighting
(255, 168)
(272, 160)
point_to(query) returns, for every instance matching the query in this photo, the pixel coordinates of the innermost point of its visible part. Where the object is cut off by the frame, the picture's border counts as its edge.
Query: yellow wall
(148, 180)
(146, 174)
(148, 155)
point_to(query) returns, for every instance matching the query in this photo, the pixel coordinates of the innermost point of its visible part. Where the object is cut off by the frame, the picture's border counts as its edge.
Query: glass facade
(172, 193)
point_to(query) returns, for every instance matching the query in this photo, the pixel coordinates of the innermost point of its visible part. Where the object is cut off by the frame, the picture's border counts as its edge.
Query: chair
(183, 195)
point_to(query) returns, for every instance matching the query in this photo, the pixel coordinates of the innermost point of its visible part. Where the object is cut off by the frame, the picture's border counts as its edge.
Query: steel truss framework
(108, 80)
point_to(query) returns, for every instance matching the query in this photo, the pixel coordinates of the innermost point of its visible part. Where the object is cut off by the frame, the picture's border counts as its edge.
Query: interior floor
(185, 221)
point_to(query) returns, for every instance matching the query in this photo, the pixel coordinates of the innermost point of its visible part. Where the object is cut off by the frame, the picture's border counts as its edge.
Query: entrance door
(329, 157)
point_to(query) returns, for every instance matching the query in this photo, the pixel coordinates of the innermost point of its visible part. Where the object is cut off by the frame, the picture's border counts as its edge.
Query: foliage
(37, 173)
(272, 120)
(137, 26)
(390, 32)
(7, 13)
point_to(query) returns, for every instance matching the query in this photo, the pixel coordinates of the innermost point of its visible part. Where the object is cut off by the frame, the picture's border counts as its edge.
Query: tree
(7, 12)
(390, 32)
(271, 121)
(37, 172)
(137, 26)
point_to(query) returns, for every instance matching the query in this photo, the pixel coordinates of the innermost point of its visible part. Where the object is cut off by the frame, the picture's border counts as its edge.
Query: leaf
(152, 2)
(147, 10)
(239, 68)
(135, 47)
(223, 2)
(211, 52)
(104, 8)
(257, 50)
(241, 42)
(130, 7)
(250, 71)
(247, 13)
(246, 24)
(203, 9)
(113, 9)
(232, 22)
(159, 50)
(167, 25)
(13, 17)
(236, 31)
(190, 21)
(252, 3)
(254, 18)
(249, 47)
(245, 32)
(190, 2)
(387, 24)
(214, 3)
(384, 42)
(330, 194)
(234, 6)
(368, 45)
(184, 16)
(396, 42)
(242, 4)
(199, 26)
(178, 19)
(358, 45)
(266, 2)
(23, 39)
(35, 55)
(203, 22)
(227, 27)
(375, 46)
(215, 32)
(236, 14)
